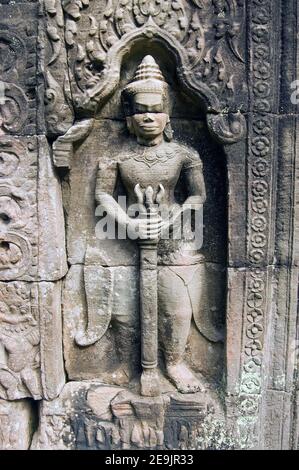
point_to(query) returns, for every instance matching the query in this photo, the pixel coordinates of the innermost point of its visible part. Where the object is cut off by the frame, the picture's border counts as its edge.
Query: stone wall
(70, 304)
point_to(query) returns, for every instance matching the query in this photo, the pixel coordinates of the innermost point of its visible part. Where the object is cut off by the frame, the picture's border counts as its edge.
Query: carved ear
(168, 132)
(130, 124)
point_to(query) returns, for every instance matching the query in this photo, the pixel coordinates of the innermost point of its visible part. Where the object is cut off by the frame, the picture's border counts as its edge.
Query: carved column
(31, 234)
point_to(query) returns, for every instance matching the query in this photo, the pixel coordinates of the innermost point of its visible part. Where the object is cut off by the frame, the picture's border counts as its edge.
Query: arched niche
(225, 126)
(105, 140)
(184, 102)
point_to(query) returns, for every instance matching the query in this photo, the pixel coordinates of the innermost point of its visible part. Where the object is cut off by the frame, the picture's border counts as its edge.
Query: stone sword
(149, 208)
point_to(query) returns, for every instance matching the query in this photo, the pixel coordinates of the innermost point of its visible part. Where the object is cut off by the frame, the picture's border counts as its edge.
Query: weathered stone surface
(112, 284)
(52, 367)
(18, 39)
(191, 30)
(31, 361)
(86, 116)
(19, 234)
(58, 115)
(51, 227)
(32, 226)
(20, 340)
(109, 286)
(277, 407)
(17, 425)
(119, 419)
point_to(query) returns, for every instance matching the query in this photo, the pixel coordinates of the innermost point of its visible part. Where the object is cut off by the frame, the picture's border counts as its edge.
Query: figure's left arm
(194, 181)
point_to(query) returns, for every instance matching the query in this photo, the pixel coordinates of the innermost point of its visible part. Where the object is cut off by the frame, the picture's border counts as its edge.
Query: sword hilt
(146, 198)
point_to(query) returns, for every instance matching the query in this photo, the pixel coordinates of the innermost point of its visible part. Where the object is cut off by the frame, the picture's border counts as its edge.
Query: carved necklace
(14, 329)
(151, 157)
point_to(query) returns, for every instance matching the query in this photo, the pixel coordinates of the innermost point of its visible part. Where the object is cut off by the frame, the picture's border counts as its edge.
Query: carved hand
(145, 228)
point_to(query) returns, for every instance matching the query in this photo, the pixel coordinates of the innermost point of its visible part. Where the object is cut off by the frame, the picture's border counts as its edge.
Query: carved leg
(98, 288)
(9, 382)
(127, 345)
(125, 324)
(30, 379)
(175, 313)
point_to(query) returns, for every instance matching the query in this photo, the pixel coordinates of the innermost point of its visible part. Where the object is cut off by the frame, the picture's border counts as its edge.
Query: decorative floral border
(260, 151)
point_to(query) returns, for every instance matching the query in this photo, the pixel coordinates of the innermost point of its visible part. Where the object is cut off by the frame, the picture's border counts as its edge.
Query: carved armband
(192, 160)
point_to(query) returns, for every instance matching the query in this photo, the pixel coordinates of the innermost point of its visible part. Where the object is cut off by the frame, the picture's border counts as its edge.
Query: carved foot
(184, 380)
(120, 376)
(150, 383)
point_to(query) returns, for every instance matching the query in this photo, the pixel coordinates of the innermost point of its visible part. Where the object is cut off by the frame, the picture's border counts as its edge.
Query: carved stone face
(148, 121)
(148, 126)
(145, 101)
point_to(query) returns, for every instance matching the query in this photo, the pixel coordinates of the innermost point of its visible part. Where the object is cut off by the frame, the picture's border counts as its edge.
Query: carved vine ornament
(202, 37)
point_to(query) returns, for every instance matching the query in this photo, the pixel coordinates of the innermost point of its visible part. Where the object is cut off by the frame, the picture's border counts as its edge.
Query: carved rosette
(260, 158)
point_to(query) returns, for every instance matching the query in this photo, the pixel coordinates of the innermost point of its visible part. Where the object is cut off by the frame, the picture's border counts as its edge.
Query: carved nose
(147, 118)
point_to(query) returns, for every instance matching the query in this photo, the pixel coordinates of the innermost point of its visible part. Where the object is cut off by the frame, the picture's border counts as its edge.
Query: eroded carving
(260, 151)
(13, 108)
(13, 55)
(164, 297)
(172, 271)
(208, 33)
(58, 102)
(15, 429)
(119, 419)
(204, 40)
(18, 70)
(19, 340)
(18, 209)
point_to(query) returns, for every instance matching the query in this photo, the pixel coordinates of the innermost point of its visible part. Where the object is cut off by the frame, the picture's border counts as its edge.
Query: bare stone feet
(121, 376)
(184, 380)
(150, 383)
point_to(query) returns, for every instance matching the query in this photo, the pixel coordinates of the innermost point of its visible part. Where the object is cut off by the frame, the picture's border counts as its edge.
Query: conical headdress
(148, 79)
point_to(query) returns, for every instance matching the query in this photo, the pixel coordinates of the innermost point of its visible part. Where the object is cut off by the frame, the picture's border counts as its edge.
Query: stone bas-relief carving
(17, 424)
(97, 417)
(167, 345)
(18, 69)
(170, 276)
(30, 326)
(20, 339)
(115, 287)
(31, 222)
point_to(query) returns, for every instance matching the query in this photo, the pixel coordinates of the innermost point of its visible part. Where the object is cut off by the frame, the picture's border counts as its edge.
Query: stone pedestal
(89, 415)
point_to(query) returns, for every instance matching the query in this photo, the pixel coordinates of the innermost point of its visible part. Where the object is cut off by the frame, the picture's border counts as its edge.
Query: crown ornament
(148, 79)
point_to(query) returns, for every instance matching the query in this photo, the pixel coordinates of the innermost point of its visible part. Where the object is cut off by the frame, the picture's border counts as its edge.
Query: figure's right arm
(105, 186)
